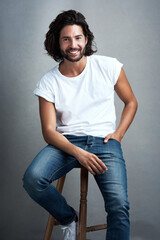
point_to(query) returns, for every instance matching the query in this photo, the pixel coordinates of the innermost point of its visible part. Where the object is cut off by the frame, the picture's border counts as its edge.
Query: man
(76, 103)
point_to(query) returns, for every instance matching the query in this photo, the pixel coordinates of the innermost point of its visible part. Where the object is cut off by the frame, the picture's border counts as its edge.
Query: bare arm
(52, 137)
(124, 91)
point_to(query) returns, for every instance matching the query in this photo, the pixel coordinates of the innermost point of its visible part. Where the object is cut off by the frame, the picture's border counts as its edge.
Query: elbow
(48, 134)
(133, 103)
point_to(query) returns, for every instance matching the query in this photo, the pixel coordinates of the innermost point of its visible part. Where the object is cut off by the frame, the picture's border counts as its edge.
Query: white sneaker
(70, 231)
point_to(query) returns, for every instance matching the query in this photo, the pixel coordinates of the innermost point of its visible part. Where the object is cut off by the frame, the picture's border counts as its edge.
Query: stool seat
(83, 229)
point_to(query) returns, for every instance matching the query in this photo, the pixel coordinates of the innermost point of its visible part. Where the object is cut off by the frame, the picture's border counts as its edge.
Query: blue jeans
(52, 163)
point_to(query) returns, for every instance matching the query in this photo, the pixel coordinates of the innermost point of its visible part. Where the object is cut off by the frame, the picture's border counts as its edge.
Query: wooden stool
(83, 229)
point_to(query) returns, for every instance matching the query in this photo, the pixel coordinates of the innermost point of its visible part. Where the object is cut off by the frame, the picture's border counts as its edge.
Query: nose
(73, 43)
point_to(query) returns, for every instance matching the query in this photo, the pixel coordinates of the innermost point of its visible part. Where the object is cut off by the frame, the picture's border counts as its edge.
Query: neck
(72, 69)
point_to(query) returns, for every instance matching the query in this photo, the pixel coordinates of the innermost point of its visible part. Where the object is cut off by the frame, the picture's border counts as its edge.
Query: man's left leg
(113, 186)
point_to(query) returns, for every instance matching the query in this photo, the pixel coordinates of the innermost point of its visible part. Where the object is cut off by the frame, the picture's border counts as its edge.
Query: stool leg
(83, 204)
(51, 219)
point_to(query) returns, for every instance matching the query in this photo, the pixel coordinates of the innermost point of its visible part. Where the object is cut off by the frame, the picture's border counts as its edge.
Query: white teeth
(73, 51)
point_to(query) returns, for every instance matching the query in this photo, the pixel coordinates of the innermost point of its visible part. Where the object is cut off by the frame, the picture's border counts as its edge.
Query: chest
(92, 88)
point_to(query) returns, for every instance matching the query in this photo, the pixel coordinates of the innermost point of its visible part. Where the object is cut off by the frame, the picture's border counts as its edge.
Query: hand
(91, 162)
(114, 135)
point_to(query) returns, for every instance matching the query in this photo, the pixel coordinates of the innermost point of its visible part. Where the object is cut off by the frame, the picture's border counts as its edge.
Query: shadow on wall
(144, 231)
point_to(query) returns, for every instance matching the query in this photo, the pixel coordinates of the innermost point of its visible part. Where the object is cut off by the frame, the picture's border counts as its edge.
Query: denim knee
(118, 206)
(33, 181)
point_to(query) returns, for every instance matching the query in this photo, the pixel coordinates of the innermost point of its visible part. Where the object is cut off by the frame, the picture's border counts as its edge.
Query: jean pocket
(113, 139)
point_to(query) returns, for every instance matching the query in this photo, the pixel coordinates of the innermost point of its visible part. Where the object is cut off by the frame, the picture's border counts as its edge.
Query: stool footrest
(96, 228)
(91, 228)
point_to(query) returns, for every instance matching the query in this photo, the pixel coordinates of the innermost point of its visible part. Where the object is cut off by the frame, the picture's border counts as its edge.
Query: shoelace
(68, 233)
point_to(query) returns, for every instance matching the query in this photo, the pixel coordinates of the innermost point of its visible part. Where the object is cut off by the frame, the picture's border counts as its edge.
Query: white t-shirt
(85, 103)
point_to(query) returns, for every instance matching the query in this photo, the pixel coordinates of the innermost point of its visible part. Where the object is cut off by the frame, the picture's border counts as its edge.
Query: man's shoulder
(101, 61)
(102, 57)
(50, 75)
(51, 72)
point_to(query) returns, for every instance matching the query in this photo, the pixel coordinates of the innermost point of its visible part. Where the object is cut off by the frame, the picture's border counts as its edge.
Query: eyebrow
(80, 35)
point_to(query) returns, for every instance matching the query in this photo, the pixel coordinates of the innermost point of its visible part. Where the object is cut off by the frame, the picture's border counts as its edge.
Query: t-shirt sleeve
(116, 70)
(44, 89)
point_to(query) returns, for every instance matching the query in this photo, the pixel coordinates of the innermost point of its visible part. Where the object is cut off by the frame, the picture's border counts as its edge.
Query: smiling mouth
(73, 51)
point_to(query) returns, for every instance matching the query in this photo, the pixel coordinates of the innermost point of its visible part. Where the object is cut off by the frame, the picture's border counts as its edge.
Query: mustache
(73, 49)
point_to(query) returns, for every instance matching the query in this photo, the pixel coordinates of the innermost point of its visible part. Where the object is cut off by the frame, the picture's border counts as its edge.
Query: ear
(86, 40)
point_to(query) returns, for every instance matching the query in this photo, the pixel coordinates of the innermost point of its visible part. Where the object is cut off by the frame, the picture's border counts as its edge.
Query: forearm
(61, 142)
(127, 117)
(88, 160)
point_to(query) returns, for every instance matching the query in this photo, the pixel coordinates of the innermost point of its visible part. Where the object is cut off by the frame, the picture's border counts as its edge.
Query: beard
(70, 58)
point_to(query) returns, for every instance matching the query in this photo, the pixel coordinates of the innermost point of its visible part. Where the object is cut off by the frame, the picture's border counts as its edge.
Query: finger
(91, 171)
(94, 163)
(96, 168)
(107, 138)
(104, 167)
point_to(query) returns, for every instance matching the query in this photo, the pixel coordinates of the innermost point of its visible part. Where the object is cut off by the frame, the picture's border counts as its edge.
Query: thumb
(107, 138)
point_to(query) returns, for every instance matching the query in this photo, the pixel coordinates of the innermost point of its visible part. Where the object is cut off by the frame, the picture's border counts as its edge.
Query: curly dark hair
(65, 18)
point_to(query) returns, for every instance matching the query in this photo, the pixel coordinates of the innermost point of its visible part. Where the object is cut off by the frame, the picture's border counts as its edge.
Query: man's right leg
(49, 165)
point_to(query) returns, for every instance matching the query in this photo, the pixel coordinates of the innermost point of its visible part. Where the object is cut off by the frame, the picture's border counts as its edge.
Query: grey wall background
(127, 30)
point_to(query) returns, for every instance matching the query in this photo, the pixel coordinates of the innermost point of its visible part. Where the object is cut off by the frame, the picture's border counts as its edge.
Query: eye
(79, 37)
(65, 39)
